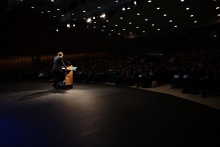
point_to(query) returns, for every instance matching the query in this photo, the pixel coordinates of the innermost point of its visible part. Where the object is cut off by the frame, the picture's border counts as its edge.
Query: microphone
(68, 62)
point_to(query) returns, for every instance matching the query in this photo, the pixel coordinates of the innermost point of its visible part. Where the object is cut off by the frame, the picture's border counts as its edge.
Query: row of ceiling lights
(125, 7)
(158, 8)
(89, 20)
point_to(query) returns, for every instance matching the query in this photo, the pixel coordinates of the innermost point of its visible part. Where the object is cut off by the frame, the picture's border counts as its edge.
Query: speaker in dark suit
(57, 69)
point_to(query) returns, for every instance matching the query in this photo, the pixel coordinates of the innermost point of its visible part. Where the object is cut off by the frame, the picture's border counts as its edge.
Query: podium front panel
(69, 76)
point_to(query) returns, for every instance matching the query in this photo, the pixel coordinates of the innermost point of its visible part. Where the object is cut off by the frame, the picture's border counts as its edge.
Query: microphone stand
(68, 62)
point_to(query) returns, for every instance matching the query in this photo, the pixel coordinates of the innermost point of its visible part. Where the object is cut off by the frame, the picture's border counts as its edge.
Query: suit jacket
(58, 64)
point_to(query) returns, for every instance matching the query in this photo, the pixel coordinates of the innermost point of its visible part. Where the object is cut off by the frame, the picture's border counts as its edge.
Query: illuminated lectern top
(70, 68)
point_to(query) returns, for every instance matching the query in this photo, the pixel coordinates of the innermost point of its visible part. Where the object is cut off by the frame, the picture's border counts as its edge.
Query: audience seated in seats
(41, 75)
(198, 70)
(146, 80)
(190, 81)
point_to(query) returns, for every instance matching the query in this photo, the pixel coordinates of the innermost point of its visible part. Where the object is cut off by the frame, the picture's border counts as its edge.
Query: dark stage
(32, 114)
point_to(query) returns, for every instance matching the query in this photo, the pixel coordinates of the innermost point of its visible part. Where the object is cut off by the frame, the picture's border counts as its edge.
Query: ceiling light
(99, 7)
(112, 30)
(102, 15)
(175, 26)
(89, 20)
(138, 13)
(32, 7)
(42, 12)
(48, 11)
(62, 15)
(103, 26)
(158, 8)
(102, 30)
(58, 9)
(129, 22)
(187, 8)
(128, 8)
(146, 19)
(87, 26)
(195, 21)
(84, 11)
(116, 1)
(68, 25)
(109, 34)
(152, 24)
(170, 21)
(74, 25)
(218, 14)
(124, 7)
(135, 3)
(137, 27)
(123, 29)
(94, 27)
(182, 0)
(93, 17)
(54, 16)
(158, 29)
(191, 15)
(217, 7)
(118, 33)
(57, 30)
(143, 31)
(130, 32)
(52, 0)
(94, 22)
(149, 1)
(121, 17)
(107, 20)
(72, 14)
(165, 15)
(116, 25)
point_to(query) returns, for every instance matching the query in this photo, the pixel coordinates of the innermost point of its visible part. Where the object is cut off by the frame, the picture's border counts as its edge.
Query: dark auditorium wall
(15, 63)
(186, 39)
(11, 63)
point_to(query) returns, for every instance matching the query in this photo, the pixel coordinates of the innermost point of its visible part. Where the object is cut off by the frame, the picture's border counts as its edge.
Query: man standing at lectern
(57, 69)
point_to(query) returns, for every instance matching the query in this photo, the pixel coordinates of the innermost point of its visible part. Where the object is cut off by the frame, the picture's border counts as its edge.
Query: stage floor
(32, 114)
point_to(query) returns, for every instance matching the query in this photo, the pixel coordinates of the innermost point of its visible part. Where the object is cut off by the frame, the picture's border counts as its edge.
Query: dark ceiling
(148, 17)
(3, 5)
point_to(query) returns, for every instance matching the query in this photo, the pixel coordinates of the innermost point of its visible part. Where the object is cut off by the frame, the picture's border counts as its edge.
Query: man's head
(60, 54)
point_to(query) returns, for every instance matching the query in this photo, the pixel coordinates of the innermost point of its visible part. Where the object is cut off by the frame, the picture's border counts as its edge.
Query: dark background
(26, 40)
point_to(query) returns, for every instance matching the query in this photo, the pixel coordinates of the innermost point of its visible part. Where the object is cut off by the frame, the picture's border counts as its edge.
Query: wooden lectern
(69, 76)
